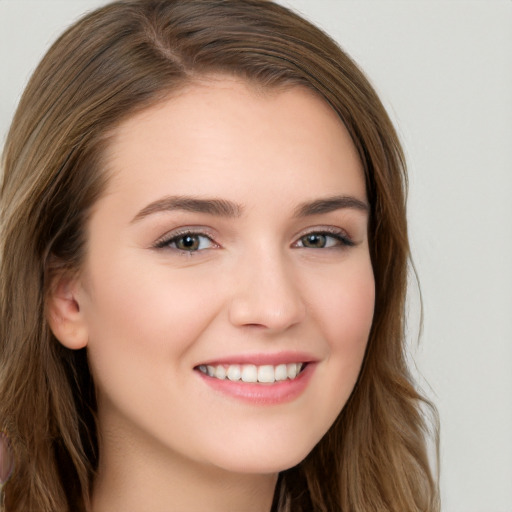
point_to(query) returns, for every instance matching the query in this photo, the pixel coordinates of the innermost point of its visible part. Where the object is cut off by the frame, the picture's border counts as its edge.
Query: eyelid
(340, 234)
(164, 241)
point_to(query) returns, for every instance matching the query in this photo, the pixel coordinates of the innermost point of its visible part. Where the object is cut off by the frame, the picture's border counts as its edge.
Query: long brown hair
(121, 59)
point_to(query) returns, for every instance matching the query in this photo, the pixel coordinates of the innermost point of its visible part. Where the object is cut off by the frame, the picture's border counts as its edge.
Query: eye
(324, 240)
(186, 242)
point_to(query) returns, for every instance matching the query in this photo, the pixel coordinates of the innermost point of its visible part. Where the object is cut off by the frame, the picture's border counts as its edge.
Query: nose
(266, 295)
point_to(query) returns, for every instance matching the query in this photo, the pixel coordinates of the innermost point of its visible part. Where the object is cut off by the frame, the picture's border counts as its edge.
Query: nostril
(270, 313)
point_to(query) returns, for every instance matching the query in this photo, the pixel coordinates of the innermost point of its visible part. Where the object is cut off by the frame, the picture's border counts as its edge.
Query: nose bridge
(265, 292)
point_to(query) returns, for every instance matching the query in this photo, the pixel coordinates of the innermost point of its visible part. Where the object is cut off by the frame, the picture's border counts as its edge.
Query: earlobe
(64, 314)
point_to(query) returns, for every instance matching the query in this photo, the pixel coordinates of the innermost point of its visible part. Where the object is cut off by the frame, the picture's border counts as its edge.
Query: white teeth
(234, 372)
(266, 373)
(249, 373)
(220, 372)
(291, 370)
(280, 372)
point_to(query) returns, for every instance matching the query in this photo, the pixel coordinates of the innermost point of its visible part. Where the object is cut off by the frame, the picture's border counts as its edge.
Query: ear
(64, 314)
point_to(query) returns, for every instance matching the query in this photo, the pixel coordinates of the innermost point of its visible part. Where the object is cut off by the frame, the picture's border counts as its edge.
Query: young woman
(203, 270)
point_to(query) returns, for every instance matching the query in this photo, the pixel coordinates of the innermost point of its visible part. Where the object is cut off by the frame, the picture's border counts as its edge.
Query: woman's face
(230, 247)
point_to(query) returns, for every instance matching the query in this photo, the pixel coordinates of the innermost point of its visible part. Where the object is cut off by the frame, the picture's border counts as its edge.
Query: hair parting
(122, 59)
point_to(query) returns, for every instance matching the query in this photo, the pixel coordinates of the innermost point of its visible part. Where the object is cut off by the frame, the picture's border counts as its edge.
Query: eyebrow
(217, 207)
(225, 208)
(331, 204)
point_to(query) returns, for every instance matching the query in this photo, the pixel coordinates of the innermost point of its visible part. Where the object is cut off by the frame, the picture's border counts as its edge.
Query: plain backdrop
(443, 69)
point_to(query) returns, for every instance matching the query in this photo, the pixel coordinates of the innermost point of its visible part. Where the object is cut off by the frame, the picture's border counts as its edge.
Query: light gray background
(444, 71)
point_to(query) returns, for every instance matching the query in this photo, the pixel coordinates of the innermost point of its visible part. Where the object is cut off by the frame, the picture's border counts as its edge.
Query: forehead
(223, 130)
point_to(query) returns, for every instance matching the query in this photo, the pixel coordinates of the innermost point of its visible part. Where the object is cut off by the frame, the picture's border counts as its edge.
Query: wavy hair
(114, 62)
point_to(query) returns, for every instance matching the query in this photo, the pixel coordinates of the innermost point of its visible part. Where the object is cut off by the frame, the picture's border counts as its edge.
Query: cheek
(347, 307)
(146, 317)
(346, 318)
(143, 331)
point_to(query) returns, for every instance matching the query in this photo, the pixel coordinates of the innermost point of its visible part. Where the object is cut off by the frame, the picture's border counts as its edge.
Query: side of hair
(121, 59)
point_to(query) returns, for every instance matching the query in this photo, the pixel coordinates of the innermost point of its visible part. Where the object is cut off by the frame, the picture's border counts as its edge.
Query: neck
(132, 477)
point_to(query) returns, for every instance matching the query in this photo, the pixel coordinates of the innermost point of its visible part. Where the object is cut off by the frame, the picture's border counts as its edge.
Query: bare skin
(233, 231)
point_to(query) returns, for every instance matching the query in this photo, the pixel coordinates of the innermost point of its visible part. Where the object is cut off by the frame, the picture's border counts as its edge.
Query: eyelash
(166, 241)
(341, 238)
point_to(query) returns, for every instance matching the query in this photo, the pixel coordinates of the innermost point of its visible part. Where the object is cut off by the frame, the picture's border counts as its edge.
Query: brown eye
(187, 242)
(324, 240)
(314, 241)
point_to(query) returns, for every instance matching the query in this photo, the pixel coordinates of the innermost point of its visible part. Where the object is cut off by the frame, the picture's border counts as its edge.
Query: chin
(267, 460)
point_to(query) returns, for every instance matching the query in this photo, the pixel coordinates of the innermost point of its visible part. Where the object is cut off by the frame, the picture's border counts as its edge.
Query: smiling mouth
(251, 373)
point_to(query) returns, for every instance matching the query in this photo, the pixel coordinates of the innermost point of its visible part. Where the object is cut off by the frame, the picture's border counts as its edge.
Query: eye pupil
(188, 242)
(314, 241)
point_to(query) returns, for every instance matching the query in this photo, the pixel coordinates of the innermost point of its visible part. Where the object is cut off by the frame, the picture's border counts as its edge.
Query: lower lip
(261, 393)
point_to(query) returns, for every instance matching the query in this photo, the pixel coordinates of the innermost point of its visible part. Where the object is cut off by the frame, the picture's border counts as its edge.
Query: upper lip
(260, 359)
